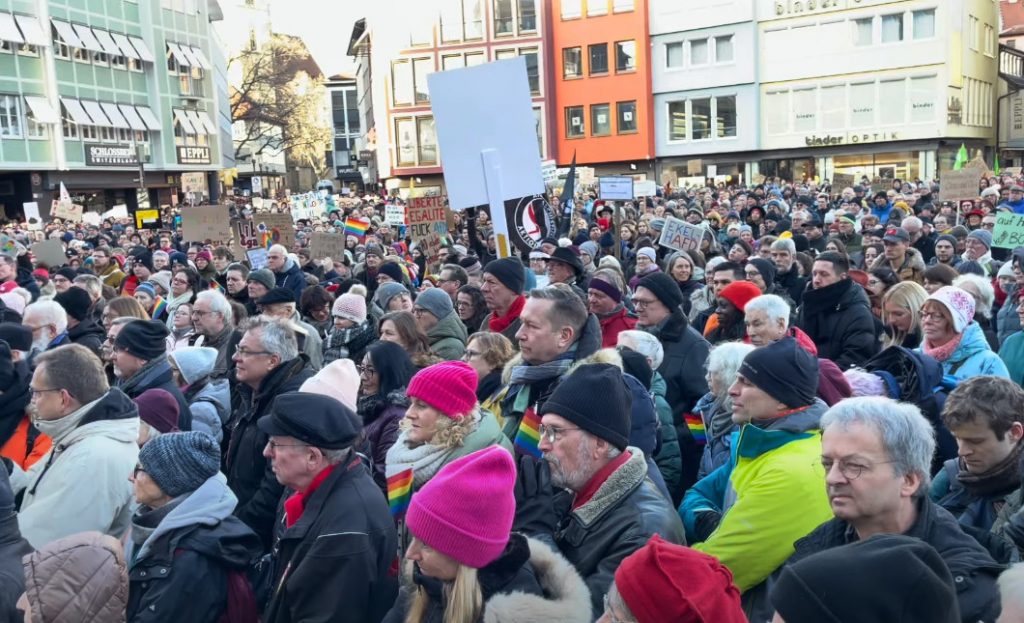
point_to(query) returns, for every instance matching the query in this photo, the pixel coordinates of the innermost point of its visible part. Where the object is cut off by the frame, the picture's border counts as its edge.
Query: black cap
(76, 302)
(277, 295)
(320, 421)
(664, 288)
(17, 335)
(146, 339)
(509, 271)
(595, 398)
(784, 371)
(566, 256)
(896, 234)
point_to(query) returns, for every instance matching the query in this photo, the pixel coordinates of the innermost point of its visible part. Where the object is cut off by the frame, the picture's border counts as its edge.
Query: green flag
(995, 168)
(961, 158)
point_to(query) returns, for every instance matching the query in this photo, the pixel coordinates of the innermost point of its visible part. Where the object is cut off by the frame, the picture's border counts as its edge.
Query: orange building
(601, 70)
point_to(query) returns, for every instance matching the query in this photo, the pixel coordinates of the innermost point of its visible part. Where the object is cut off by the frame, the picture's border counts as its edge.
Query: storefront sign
(781, 9)
(193, 155)
(850, 138)
(1009, 231)
(97, 155)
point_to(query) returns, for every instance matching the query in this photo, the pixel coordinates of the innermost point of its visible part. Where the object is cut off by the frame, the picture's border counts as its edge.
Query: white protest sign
(91, 218)
(32, 217)
(549, 171)
(962, 184)
(394, 214)
(680, 235)
(257, 258)
(647, 188)
(615, 188)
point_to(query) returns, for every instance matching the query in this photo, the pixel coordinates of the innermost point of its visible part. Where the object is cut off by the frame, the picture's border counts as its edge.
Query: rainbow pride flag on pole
(696, 425)
(159, 306)
(355, 227)
(400, 492)
(528, 436)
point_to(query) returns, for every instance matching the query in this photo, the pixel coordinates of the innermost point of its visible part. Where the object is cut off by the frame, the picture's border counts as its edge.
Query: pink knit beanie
(449, 387)
(350, 306)
(447, 515)
(959, 303)
(338, 379)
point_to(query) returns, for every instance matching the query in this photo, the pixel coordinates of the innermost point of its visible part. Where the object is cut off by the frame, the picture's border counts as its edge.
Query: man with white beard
(49, 325)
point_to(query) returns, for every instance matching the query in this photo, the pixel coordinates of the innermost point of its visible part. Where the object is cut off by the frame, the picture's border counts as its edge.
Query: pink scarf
(944, 352)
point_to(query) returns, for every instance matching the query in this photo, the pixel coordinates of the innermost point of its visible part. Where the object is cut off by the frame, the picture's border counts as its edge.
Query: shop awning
(33, 30)
(190, 55)
(125, 46)
(67, 33)
(197, 53)
(211, 127)
(149, 118)
(178, 55)
(76, 112)
(115, 116)
(132, 116)
(41, 109)
(144, 52)
(196, 122)
(9, 30)
(186, 124)
(87, 38)
(109, 46)
(96, 113)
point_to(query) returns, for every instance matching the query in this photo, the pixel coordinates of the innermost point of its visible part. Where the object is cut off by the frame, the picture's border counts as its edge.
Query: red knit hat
(447, 515)
(449, 387)
(739, 293)
(666, 582)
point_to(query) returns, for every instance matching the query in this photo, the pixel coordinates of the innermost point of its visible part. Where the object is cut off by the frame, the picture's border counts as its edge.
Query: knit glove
(705, 523)
(535, 514)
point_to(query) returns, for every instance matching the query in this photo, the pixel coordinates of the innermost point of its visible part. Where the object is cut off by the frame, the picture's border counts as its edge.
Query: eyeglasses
(365, 370)
(274, 445)
(469, 354)
(201, 313)
(927, 314)
(418, 311)
(989, 225)
(35, 392)
(641, 303)
(245, 352)
(138, 468)
(553, 433)
(463, 304)
(849, 469)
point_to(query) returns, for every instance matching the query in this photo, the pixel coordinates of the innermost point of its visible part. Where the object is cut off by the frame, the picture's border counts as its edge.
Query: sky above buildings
(325, 26)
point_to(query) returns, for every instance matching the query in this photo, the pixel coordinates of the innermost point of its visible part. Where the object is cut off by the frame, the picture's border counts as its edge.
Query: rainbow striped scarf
(159, 307)
(696, 425)
(400, 492)
(528, 436)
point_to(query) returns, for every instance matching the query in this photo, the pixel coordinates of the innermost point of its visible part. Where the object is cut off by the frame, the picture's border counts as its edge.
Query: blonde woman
(487, 353)
(901, 314)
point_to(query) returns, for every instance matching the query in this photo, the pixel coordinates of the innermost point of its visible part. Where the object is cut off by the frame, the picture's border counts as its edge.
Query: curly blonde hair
(451, 432)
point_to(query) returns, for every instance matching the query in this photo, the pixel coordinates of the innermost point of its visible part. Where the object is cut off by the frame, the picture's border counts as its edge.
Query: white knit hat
(959, 303)
(338, 379)
(351, 307)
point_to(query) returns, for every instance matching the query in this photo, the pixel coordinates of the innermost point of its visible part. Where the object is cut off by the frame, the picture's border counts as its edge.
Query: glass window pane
(502, 17)
(422, 67)
(776, 112)
(405, 130)
(571, 8)
(574, 121)
(674, 54)
(427, 140)
(922, 99)
(503, 54)
(700, 110)
(723, 49)
(599, 58)
(892, 28)
(597, 7)
(863, 31)
(475, 58)
(527, 15)
(621, 6)
(677, 121)
(538, 122)
(472, 20)
(625, 55)
(924, 24)
(572, 65)
(725, 116)
(805, 110)
(600, 120)
(451, 61)
(699, 52)
(626, 115)
(862, 105)
(532, 69)
(451, 20)
(833, 107)
(401, 82)
(892, 96)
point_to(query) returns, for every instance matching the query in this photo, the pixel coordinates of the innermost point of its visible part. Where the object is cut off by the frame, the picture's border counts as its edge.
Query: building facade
(90, 91)
(347, 138)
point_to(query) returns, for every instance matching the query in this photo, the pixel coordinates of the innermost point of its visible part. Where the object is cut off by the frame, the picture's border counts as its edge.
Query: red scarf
(497, 324)
(595, 482)
(294, 505)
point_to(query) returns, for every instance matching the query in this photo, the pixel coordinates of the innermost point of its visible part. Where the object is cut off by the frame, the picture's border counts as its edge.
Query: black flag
(568, 199)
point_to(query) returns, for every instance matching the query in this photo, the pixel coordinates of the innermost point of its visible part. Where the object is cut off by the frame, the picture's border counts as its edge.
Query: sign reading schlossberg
(193, 155)
(99, 155)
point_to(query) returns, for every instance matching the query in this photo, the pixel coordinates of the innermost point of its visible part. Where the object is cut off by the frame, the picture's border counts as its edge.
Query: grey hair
(50, 312)
(276, 336)
(335, 457)
(784, 244)
(986, 294)
(91, 284)
(775, 307)
(219, 304)
(647, 345)
(615, 599)
(161, 254)
(906, 435)
(725, 360)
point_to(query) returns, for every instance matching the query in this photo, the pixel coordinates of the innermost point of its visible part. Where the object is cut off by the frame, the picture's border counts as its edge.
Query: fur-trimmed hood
(566, 598)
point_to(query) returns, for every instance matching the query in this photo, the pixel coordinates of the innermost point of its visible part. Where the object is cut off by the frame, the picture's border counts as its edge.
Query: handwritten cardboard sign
(841, 181)
(66, 210)
(962, 184)
(680, 235)
(280, 227)
(324, 244)
(1009, 231)
(209, 222)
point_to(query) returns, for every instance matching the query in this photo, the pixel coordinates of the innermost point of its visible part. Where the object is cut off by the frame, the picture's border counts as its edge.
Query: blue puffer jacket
(973, 357)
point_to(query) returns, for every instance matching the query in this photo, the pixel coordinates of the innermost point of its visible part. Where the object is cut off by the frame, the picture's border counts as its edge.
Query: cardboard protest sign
(323, 244)
(1009, 231)
(1012, 171)
(202, 223)
(49, 253)
(842, 180)
(279, 227)
(680, 235)
(881, 184)
(695, 167)
(91, 218)
(257, 258)
(66, 210)
(962, 184)
(32, 217)
(428, 224)
(118, 211)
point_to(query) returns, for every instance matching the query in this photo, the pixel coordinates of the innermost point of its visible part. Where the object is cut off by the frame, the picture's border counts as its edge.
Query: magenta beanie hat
(447, 515)
(449, 387)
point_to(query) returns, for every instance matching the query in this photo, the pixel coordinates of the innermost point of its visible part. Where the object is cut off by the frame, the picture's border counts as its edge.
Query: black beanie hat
(146, 339)
(392, 270)
(783, 370)
(76, 302)
(17, 336)
(68, 273)
(277, 295)
(664, 288)
(765, 267)
(143, 256)
(595, 398)
(509, 271)
(888, 577)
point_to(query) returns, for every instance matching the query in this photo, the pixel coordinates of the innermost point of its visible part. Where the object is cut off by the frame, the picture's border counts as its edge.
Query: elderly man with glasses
(215, 328)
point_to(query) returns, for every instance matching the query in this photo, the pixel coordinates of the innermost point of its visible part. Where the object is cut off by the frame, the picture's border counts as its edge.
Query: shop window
(674, 55)
(677, 121)
(574, 122)
(892, 94)
(833, 107)
(10, 116)
(572, 9)
(598, 58)
(863, 31)
(805, 110)
(503, 17)
(892, 28)
(625, 56)
(420, 68)
(723, 49)
(700, 112)
(405, 130)
(625, 115)
(401, 83)
(923, 95)
(600, 120)
(527, 16)
(862, 105)
(924, 24)
(572, 62)
(725, 116)
(699, 52)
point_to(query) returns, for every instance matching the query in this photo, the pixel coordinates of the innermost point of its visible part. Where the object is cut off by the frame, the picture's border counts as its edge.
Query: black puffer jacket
(838, 319)
(12, 548)
(248, 472)
(88, 334)
(792, 283)
(157, 374)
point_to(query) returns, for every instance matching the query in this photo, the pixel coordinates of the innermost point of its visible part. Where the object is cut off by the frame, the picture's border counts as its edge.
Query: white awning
(115, 116)
(41, 109)
(144, 52)
(87, 38)
(200, 57)
(178, 55)
(196, 122)
(9, 30)
(107, 42)
(186, 124)
(94, 110)
(33, 30)
(147, 116)
(132, 116)
(211, 127)
(67, 34)
(125, 46)
(76, 112)
(190, 55)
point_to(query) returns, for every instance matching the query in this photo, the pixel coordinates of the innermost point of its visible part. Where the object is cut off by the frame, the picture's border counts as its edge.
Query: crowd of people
(815, 414)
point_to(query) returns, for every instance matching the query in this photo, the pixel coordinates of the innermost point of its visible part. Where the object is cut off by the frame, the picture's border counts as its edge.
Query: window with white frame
(426, 141)
(108, 134)
(68, 127)
(503, 19)
(420, 68)
(623, 6)
(118, 62)
(472, 19)
(674, 54)
(892, 28)
(990, 41)
(527, 15)
(574, 122)
(892, 94)
(82, 55)
(134, 64)
(776, 115)
(625, 116)
(833, 106)
(972, 32)
(100, 58)
(862, 104)
(572, 9)
(863, 31)
(60, 49)
(538, 121)
(924, 23)
(698, 52)
(677, 122)
(702, 118)
(401, 82)
(89, 133)
(625, 56)
(572, 62)
(805, 109)
(600, 120)
(532, 69)
(923, 95)
(28, 49)
(723, 49)
(597, 7)
(10, 116)
(725, 116)
(33, 128)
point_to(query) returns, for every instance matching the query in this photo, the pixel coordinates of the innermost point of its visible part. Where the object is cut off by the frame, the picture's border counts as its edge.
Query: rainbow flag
(215, 285)
(356, 227)
(159, 306)
(696, 425)
(528, 436)
(400, 492)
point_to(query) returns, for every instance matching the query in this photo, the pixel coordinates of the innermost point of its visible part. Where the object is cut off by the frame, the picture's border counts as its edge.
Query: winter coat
(156, 374)
(338, 562)
(669, 462)
(291, 278)
(683, 370)
(718, 446)
(210, 402)
(448, 337)
(309, 341)
(225, 342)
(773, 486)
(975, 511)
(973, 357)
(613, 324)
(838, 319)
(912, 268)
(359, 339)
(381, 415)
(12, 547)
(619, 519)
(82, 483)
(689, 289)
(89, 334)
(793, 283)
(180, 572)
(20, 441)
(111, 275)
(701, 300)
(1012, 354)
(973, 569)
(1007, 320)
(643, 432)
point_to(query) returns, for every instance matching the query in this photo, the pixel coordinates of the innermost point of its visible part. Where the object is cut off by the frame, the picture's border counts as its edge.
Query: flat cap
(277, 295)
(320, 421)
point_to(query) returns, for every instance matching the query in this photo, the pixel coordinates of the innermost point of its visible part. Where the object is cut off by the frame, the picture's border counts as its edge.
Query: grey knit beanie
(180, 462)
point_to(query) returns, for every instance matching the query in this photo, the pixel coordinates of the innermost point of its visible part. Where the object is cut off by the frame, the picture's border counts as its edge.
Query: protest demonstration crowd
(785, 401)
